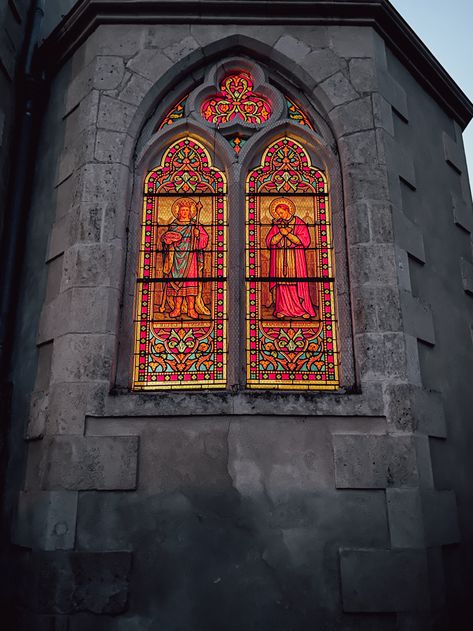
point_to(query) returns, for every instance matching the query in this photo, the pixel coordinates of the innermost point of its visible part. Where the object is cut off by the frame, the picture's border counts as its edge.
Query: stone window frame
(322, 149)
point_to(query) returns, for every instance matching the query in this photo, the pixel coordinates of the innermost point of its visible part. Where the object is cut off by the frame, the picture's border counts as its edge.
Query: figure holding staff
(184, 243)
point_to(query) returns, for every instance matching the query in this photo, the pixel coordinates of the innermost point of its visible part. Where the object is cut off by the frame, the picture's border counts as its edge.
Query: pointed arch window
(289, 340)
(180, 323)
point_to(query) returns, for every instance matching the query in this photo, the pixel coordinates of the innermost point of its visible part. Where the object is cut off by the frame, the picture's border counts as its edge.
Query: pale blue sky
(446, 27)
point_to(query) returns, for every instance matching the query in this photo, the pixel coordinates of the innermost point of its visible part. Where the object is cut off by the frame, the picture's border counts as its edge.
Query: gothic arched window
(276, 326)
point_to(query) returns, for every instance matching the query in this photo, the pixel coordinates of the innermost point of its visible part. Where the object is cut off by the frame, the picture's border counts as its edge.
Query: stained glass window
(291, 327)
(180, 325)
(175, 113)
(236, 100)
(296, 114)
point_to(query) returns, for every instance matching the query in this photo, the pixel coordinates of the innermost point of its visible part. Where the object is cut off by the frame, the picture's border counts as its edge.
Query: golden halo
(187, 201)
(281, 200)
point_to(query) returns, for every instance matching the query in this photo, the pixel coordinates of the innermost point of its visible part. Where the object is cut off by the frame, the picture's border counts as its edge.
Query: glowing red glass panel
(236, 100)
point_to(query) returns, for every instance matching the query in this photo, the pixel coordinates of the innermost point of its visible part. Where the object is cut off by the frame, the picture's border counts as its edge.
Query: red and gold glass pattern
(175, 114)
(291, 324)
(180, 325)
(296, 114)
(236, 101)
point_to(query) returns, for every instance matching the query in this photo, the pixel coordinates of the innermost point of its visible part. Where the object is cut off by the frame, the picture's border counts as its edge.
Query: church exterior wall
(268, 511)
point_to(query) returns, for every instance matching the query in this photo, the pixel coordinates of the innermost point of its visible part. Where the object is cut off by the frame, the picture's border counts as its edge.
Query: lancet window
(284, 327)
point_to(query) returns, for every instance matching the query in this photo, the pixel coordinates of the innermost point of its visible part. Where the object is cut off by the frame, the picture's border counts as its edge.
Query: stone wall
(242, 510)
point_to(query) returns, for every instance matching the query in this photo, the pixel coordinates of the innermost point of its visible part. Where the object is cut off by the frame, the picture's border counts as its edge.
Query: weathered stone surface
(336, 90)
(84, 463)
(417, 318)
(384, 580)
(381, 356)
(321, 64)
(374, 462)
(82, 357)
(46, 520)
(69, 582)
(97, 183)
(466, 269)
(383, 114)
(376, 309)
(359, 148)
(363, 74)
(453, 154)
(82, 117)
(294, 49)
(415, 409)
(409, 236)
(181, 48)
(150, 64)
(373, 264)
(135, 89)
(462, 213)
(406, 523)
(394, 93)
(348, 41)
(441, 518)
(103, 73)
(114, 115)
(358, 223)
(368, 183)
(69, 403)
(115, 39)
(91, 265)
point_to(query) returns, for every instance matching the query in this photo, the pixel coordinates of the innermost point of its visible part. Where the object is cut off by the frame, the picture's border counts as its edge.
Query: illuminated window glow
(180, 323)
(175, 113)
(296, 114)
(291, 325)
(236, 100)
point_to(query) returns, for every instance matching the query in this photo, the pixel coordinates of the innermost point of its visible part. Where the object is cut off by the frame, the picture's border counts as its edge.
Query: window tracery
(181, 336)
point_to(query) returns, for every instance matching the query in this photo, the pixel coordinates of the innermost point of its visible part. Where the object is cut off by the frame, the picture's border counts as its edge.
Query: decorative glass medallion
(175, 114)
(236, 101)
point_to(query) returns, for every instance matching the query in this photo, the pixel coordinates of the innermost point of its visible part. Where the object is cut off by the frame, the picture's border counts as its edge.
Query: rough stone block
(406, 524)
(98, 182)
(462, 213)
(150, 64)
(43, 371)
(383, 114)
(352, 41)
(102, 463)
(336, 90)
(294, 49)
(70, 402)
(82, 117)
(109, 146)
(82, 357)
(454, 155)
(418, 318)
(368, 183)
(46, 520)
(376, 309)
(373, 264)
(115, 115)
(135, 90)
(103, 73)
(381, 221)
(409, 236)
(466, 269)
(363, 74)
(359, 148)
(384, 580)
(441, 518)
(38, 414)
(374, 462)
(381, 356)
(321, 64)
(116, 40)
(91, 265)
(181, 48)
(416, 409)
(70, 582)
(394, 93)
(358, 223)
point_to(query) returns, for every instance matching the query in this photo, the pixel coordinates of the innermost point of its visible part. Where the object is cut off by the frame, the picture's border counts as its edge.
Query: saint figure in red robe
(287, 241)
